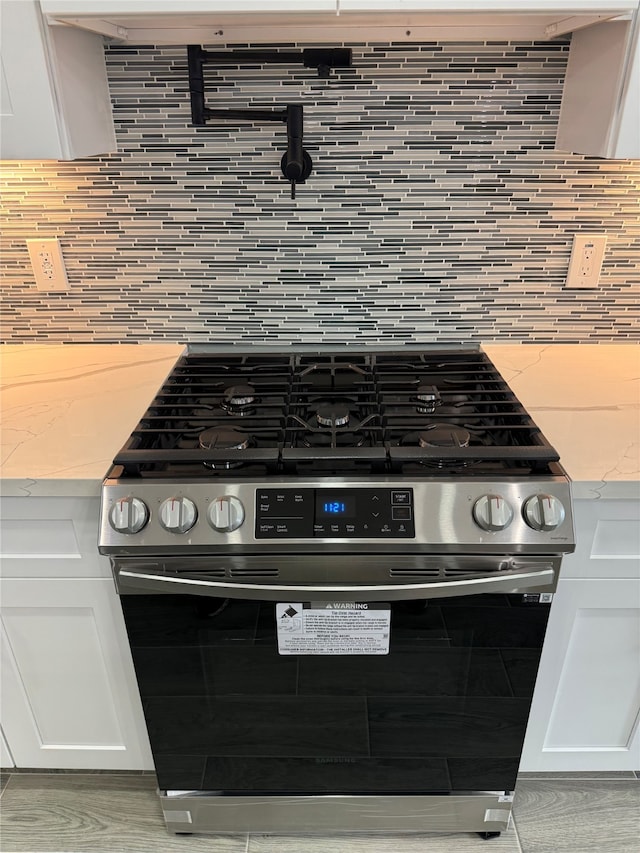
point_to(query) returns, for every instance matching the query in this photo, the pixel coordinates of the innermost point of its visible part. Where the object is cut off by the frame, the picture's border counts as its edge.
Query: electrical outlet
(586, 260)
(48, 264)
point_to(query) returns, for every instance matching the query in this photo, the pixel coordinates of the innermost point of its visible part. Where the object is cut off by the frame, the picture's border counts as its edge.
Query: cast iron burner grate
(444, 411)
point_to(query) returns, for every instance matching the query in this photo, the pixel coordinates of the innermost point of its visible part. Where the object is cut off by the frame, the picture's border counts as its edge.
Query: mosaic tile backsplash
(437, 209)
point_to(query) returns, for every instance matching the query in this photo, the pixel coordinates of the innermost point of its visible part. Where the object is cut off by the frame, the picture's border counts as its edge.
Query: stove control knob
(178, 514)
(128, 515)
(543, 512)
(492, 512)
(226, 514)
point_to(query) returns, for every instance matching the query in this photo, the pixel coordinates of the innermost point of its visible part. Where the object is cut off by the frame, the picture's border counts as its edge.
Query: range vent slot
(201, 574)
(458, 572)
(253, 573)
(415, 573)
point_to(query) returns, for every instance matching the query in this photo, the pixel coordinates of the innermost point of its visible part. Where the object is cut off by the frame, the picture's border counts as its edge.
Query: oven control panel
(214, 516)
(290, 513)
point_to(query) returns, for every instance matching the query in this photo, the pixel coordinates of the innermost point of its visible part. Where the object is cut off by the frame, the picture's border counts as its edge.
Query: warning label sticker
(333, 628)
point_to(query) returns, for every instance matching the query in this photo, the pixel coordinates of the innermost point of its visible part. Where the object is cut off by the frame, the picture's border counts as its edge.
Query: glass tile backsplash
(437, 209)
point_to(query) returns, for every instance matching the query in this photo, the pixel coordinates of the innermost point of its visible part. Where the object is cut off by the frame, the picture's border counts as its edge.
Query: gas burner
(238, 400)
(444, 435)
(333, 425)
(428, 398)
(224, 438)
(333, 414)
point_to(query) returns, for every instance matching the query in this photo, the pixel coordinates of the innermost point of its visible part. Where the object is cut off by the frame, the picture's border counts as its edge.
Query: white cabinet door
(586, 707)
(153, 8)
(600, 111)
(210, 22)
(607, 540)
(575, 6)
(51, 537)
(625, 141)
(69, 696)
(54, 96)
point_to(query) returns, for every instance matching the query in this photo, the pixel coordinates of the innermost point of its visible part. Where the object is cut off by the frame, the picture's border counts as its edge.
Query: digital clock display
(335, 505)
(334, 513)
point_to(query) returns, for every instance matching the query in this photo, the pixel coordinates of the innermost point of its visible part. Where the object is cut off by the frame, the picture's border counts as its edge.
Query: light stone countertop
(67, 409)
(586, 400)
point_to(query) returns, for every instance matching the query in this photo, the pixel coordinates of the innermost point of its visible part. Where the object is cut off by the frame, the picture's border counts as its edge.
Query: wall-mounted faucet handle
(296, 163)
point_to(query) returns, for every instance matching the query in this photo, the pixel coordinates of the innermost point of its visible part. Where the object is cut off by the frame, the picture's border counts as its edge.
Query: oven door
(438, 706)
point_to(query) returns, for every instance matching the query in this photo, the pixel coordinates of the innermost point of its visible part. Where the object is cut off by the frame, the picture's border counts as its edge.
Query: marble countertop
(67, 409)
(586, 400)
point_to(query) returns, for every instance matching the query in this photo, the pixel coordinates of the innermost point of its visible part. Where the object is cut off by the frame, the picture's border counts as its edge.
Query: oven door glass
(445, 710)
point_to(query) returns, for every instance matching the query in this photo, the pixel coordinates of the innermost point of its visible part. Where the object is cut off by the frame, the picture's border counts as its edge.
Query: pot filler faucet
(296, 164)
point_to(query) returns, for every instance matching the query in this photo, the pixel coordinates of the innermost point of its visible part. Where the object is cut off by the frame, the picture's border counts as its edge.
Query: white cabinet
(69, 695)
(54, 96)
(67, 700)
(346, 21)
(586, 709)
(600, 112)
(69, 8)
(502, 6)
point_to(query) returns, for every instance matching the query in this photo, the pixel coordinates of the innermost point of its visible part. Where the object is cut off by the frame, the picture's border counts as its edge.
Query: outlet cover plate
(48, 264)
(586, 260)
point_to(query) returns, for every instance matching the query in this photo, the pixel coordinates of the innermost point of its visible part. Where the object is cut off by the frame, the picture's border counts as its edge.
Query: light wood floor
(110, 813)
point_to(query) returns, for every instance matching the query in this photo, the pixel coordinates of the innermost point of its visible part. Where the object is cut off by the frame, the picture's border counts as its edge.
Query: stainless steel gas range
(336, 570)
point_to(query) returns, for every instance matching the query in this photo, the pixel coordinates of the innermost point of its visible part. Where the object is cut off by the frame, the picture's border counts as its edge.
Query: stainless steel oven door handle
(131, 581)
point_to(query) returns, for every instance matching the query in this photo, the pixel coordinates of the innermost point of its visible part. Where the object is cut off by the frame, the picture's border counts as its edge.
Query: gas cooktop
(440, 412)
